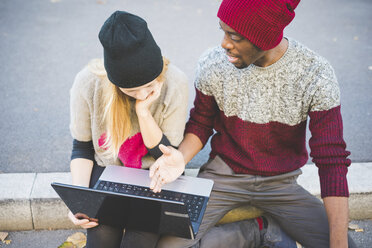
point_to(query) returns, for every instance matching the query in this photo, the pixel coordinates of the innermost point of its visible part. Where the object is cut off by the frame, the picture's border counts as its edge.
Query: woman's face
(142, 92)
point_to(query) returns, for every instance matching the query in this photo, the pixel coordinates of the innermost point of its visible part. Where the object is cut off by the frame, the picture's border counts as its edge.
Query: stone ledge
(15, 214)
(27, 201)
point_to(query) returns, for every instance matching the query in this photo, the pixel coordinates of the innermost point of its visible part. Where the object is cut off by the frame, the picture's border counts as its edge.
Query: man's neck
(273, 55)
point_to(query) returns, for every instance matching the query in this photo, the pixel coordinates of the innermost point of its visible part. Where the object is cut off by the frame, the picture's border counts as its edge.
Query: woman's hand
(142, 106)
(82, 220)
(167, 168)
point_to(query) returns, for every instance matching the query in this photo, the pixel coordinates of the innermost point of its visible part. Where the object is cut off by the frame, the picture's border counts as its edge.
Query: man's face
(240, 52)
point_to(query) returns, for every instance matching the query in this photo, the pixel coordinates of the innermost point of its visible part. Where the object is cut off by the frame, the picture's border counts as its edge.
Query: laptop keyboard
(193, 203)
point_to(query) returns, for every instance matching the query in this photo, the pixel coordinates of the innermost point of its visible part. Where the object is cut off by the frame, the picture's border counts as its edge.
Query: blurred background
(44, 43)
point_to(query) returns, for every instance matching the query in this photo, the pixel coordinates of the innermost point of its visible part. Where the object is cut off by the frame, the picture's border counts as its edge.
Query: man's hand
(167, 168)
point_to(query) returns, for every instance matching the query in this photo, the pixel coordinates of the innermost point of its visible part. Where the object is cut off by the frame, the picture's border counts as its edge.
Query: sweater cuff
(82, 149)
(333, 181)
(156, 152)
(200, 132)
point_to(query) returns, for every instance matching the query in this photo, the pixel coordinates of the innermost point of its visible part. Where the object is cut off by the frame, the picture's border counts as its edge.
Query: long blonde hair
(117, 111)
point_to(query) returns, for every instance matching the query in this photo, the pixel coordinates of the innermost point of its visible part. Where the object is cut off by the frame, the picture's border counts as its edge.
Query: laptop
(122, 198)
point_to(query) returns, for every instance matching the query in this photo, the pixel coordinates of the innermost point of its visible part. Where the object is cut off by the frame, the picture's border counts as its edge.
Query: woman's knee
(104, 236)
(175, 242)
(138, 239)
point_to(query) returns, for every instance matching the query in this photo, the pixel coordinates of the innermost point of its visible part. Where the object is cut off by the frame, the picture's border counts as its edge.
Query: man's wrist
(184, 163)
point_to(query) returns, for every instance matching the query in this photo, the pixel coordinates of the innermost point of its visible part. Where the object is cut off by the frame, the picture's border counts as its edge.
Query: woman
(122, 109)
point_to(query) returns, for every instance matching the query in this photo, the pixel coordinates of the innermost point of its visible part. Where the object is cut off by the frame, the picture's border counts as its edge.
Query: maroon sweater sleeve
(328, 150)
(202, 116)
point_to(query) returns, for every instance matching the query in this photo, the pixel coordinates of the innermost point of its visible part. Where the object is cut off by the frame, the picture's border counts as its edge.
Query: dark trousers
(301, 215)
(111, 237)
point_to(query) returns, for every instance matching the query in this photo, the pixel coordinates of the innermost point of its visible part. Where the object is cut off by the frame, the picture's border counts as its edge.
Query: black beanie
(131, 56)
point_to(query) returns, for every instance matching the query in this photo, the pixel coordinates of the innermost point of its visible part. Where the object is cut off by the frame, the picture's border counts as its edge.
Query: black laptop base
(194, 204)
(129, 211)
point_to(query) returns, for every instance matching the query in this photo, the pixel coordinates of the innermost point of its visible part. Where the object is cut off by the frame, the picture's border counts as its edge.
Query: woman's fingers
(152, 96)
(84, 223)
(81, 222)
(89, 225)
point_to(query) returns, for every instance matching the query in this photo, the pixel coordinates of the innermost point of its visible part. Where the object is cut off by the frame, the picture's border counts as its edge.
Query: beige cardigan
(86, 111)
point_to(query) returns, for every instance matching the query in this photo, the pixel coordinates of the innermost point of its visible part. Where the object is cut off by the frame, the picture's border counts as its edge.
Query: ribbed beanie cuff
(260, 21)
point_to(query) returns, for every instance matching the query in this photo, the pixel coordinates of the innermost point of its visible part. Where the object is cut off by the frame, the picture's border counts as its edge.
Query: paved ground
(37, 239)
(44, 43)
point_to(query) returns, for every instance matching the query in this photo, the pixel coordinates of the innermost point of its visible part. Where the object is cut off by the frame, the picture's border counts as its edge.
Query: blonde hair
(117, 110)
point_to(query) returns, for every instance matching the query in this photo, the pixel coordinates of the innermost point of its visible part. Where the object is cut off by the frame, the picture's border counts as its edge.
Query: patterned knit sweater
(259, 115)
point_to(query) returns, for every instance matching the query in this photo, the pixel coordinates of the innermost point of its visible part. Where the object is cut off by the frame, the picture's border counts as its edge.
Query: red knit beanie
(260, 21)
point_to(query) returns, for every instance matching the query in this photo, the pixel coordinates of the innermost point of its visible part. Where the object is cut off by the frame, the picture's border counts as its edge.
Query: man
(256, 93)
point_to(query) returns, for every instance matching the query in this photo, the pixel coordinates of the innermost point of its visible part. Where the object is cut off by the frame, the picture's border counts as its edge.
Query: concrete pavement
(44, 43)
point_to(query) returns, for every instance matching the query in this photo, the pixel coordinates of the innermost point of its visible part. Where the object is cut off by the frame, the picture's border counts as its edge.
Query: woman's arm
(174, 116)
(82, 156)
(81, 170)
(151, 132)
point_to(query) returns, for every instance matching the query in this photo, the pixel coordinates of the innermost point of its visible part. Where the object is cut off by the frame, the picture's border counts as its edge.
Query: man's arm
(172, 164)
(190, 146)
(337, 209)
(198, 129)
(329, 153)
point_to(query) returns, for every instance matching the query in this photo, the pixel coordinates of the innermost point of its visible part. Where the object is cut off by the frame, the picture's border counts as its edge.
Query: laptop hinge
(176, 214)
(191, 233)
